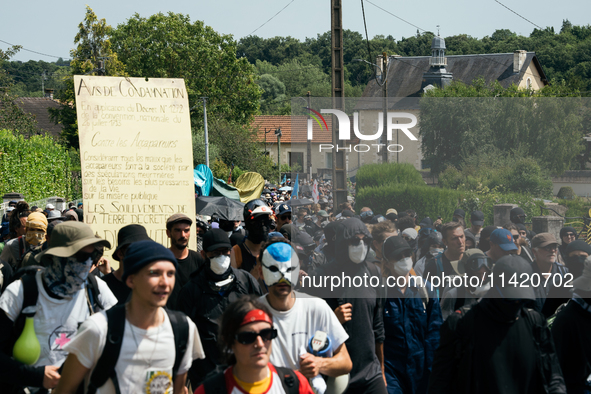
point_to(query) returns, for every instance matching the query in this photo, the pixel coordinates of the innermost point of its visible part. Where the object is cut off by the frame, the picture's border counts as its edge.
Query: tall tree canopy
(171, 46)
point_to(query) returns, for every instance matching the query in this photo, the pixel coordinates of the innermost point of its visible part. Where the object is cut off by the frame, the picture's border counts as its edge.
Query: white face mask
(219, 264)
(435, 252)
(482, 290)
(357, 253)
(403, 267)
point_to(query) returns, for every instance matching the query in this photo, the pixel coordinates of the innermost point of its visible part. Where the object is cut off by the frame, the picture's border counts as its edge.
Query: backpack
(216, 384)
(464, 350)
(105, 367)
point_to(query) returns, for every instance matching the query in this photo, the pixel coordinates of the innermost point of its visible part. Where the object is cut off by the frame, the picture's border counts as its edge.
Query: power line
(366, 36)
(28, 50)
(272, 17)
(395, 16)
(522, 17)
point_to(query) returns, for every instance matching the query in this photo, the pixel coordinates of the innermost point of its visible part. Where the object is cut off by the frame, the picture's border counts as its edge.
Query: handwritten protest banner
(136, 154)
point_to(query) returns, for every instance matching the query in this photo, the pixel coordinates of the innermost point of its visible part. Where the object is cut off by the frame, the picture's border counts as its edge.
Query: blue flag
(294, 192)
(284, 179)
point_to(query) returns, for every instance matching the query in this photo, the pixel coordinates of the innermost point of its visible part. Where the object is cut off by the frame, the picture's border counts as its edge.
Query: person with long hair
(245, 338)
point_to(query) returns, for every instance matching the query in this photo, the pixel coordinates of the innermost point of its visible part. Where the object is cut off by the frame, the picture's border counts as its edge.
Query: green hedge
(425, 200)
(389, 173)
(485, 202)
(435, 202)
(37, 167)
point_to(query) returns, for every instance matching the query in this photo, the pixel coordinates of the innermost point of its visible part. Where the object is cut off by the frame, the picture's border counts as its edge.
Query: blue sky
(50, 27)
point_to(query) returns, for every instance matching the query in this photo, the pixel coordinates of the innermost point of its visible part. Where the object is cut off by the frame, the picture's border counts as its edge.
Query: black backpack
(105, 367)
(216, 384)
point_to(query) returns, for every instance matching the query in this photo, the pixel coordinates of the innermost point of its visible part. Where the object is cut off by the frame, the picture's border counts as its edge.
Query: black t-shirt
(187, 266)
(119, 289)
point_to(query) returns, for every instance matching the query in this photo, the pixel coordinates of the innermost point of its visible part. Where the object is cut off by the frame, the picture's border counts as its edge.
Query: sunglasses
(479, 262)
(550, 248)
(570, 235)
(81, 256)
(285, 217)
(355, 241)
(248, 337)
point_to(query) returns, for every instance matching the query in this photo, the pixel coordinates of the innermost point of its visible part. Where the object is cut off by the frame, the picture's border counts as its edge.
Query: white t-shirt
(56, 320)
(137, 368)
(296, 326)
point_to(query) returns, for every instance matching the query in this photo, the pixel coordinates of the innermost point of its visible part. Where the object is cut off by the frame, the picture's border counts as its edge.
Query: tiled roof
(406, 73)
(294, 129)
(38, 107)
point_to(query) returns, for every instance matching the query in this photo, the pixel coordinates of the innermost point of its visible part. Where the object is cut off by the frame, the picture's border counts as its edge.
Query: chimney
(380, 64)
(49, 93)
(518, 60)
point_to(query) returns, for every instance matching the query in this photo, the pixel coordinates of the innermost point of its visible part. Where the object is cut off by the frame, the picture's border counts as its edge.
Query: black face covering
(258, 230)
(502, 310)
(575, 265)
(226, 225)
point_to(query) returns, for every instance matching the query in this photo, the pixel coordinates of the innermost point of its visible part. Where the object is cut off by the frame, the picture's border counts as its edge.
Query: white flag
(315, 196)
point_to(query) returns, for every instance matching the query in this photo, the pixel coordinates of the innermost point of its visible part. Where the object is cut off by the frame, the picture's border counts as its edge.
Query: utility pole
(339, 171)
(43, 78)
(206, 134)
(278, 134)
(385, 91)
(309, 147)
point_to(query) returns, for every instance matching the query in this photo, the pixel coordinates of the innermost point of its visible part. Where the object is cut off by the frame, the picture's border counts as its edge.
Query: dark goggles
(475, 264)
(83, 256)
(248, 337)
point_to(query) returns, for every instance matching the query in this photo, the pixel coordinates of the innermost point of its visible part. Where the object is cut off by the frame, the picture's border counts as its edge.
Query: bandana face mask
(280, 264)
(35, 237)
(65, 276)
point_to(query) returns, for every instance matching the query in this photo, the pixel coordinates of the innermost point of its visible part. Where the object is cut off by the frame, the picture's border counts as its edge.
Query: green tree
(171, 46)
(92, 45)
(508, 122)
(11, 116)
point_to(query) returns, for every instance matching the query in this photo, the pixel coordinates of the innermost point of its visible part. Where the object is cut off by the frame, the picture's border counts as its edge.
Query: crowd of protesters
(234, 316)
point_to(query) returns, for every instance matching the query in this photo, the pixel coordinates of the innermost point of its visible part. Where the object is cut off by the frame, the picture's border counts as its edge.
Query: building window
(328, 159)
(528, 83)
(296, 158)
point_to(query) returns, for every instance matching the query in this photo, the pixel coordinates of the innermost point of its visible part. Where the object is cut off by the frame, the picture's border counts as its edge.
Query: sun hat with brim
(322, 213)
(583, 282)
(55, 215)
(129, 234)
(507, 267)
(69, 237)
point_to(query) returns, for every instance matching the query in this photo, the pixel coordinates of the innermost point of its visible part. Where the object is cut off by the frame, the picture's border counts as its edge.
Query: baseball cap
(394, 247)
(49, 206)
(176, 218)
(283, 208)
(510, 266)
(214, 239)
(504, 239)
(460, 213)
(322, 213)
(391, 210)
(477, 218)
(542, 240)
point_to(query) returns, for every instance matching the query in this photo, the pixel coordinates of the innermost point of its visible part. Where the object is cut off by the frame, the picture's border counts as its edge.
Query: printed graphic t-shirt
(56, 320)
